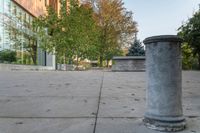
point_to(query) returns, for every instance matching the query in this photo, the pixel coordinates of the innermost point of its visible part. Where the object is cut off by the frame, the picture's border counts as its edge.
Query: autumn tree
(116, 24)
(83, 31)
(190, 32)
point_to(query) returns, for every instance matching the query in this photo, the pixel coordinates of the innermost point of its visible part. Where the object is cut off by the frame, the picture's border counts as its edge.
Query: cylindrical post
(164, 83)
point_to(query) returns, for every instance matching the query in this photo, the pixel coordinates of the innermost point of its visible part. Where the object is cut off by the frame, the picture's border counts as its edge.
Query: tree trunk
(70, 61)
(77, 62)
(101, 61)
(199, 61)
(34, 57)
(33, 51)
(107, 63)
(64, 62)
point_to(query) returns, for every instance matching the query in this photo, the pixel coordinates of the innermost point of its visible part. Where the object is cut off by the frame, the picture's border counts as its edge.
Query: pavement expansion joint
(99, 101)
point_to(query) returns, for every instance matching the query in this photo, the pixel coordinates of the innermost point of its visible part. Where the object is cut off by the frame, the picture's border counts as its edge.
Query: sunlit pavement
(84, 102)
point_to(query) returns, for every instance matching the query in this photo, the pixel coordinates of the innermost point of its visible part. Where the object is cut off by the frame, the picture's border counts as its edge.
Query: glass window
(24, 17)
(14, 10)
(6, 4)
(1, 3)
(20, 15)
(1, 36)
(14, 35)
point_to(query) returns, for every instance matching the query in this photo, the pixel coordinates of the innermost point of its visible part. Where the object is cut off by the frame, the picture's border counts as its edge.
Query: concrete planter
(128, 63)
(65, 67)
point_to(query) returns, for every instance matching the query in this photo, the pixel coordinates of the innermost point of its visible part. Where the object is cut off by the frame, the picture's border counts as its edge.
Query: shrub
(8, 55)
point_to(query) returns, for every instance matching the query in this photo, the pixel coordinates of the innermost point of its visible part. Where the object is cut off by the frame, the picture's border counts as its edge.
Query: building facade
(18, 42)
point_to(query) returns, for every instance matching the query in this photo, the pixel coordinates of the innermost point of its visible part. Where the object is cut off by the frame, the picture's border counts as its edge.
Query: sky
(160, 17)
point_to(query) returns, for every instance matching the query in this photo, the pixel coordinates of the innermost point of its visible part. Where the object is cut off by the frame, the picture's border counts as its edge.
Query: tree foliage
(188, 59)
(116, 24)
(190, 32)
(81, 31)
(47, 29)
(136, 49)
(72, 34)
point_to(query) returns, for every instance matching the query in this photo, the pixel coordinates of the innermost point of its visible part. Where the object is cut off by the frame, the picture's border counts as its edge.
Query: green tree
(47, 30)
(190, 32)
(189, 61)
(83, 31)
(136, 49)
(116, 25)
(72, 34)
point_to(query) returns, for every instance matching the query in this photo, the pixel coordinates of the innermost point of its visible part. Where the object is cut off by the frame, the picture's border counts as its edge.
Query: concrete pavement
(84, 102)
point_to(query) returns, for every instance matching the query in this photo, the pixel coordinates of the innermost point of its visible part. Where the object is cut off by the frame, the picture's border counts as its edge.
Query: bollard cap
(162, 38)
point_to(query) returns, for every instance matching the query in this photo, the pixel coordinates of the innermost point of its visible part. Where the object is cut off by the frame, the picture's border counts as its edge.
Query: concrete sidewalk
(84, 102)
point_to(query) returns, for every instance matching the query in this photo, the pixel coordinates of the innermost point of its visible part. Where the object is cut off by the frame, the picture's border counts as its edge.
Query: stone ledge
(10, 67)
(128, 57)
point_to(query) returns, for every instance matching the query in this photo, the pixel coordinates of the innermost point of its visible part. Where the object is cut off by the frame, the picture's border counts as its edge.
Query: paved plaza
(84, 102)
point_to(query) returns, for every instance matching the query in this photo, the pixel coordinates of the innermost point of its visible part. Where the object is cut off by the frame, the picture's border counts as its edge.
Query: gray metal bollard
(164, 83)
